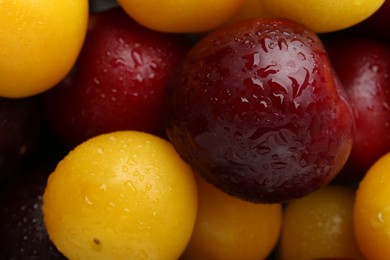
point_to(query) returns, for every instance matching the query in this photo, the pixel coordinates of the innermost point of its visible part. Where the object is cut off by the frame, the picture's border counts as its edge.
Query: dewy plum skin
(118, 81)
(363, 66)
(256, 109)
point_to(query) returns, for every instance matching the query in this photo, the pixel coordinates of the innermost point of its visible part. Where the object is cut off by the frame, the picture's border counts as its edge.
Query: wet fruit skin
(181, 16)
(40, 41)
(255, 109)
(319, 226)
(363, 66)
(20, 122)
(230, 228)
(121, 195)
(248, 10)
(22, 230)
(118, 82)
(371, 211)
(323, 15)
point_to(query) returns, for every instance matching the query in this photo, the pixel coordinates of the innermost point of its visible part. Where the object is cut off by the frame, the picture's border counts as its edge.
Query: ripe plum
(256, 109)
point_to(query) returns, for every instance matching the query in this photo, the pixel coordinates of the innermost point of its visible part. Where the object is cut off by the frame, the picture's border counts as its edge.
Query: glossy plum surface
(22, 231)
(118, 82)
(255, 109)
(363, 66)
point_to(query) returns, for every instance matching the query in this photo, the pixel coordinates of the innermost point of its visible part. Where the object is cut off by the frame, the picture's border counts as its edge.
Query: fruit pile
(225, 129)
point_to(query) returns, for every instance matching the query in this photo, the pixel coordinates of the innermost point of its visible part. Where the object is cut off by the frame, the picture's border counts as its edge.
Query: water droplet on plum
(279, 129)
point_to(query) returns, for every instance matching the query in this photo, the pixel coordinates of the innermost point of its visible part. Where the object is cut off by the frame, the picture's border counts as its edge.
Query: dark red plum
(118, 82)
(255, 108)
(22, 231)
(363, 66)
(20, 125)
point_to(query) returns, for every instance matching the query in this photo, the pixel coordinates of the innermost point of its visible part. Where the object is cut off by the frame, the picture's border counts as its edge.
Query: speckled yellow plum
(122, 195)
(39, 43)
